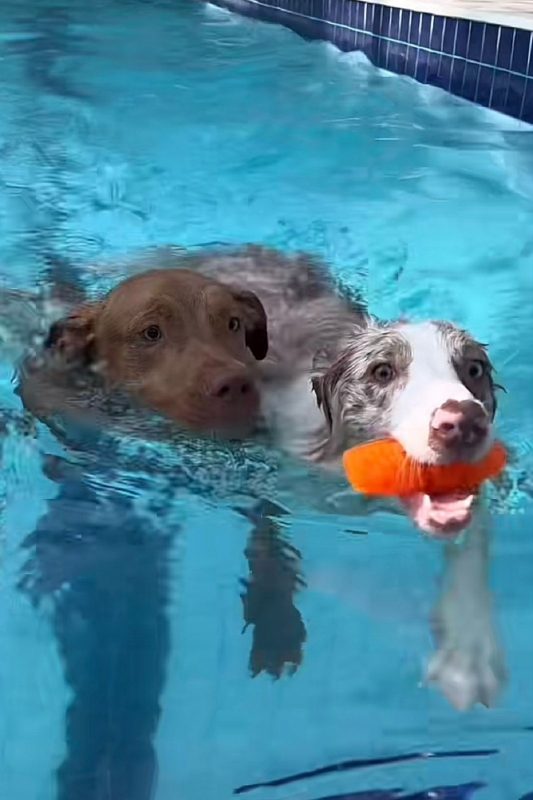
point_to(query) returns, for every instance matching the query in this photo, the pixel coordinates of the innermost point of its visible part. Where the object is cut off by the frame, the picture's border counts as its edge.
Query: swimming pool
(126, 660)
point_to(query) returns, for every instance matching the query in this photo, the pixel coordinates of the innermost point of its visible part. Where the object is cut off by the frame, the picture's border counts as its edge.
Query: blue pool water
(127, 577)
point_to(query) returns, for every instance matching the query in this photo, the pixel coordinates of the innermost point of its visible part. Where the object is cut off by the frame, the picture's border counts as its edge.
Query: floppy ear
(322, 393)
(73, 337)
(255, 323)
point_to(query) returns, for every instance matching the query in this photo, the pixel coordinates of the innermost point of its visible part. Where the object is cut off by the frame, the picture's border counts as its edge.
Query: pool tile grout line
(483, 62)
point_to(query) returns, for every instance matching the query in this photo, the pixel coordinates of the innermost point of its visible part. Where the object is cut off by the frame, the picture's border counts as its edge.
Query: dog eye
(476, 369)
(234, 324)
(152, 333)
(383, 373)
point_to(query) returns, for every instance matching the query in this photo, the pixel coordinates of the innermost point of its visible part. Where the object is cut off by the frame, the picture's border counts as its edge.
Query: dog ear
(321, 389)
(73, 337)
(255, 323)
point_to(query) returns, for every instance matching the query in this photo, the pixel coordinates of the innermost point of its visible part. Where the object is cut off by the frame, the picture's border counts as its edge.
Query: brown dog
(182, 344)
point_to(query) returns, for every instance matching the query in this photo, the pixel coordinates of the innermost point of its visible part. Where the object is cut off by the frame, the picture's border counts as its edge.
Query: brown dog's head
(183, 344)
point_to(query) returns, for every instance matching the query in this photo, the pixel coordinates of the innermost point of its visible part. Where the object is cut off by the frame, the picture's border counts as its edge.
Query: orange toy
(383, 468)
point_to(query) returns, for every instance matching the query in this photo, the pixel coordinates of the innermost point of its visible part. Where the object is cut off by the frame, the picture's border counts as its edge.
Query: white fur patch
(432, 381)
(291, 410)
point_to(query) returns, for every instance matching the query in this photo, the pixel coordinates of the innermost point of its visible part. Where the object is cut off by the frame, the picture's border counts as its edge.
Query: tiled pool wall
(486, 63)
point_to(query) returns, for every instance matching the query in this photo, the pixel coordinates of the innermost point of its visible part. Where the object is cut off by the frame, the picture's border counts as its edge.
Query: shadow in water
(105, 568)
(268, 593)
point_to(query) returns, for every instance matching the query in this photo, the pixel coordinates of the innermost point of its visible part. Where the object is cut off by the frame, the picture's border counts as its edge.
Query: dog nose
(231, 386)
(459, 425)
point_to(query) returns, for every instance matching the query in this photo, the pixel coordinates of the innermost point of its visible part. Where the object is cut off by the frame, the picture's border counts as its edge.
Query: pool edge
(483, 62)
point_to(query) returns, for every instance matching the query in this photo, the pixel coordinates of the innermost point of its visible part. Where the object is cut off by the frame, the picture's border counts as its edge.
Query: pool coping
(485, 62)
(461, 10)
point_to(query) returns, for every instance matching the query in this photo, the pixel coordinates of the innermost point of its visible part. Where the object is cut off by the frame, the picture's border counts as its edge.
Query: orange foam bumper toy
(383, 468)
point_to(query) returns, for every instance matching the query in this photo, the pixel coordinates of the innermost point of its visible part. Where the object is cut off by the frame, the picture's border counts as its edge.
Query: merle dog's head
(427, 385)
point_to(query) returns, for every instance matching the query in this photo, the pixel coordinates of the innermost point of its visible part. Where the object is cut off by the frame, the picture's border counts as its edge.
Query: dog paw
(469, 669)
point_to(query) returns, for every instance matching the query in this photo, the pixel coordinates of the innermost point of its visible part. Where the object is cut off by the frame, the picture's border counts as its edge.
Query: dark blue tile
(308, 28)
(521, 51)
(488, 53)
(401, 58)
(336, 10)
(437, 33)
(450, 32)
(365, 42)
(463, 37)
(383, 53)
(444, 72)
(384, 26)
(368, 16)
(379, 51)
(345, 11)
(319, 9)
(314, 29)
(344, 38)
(394, 30)
(378, 15)
(391, 60)
(432, 71)
(347, 14)
(411, 61)
(374, 47)
(371, 17)
(389, 56)
(485, 80)
(529, 70)
(458, 76)
(415, 27)
(500, 90)
(421, 66)
(476, 41)
(527, 109)
(316, 9)
(359, 19)
(386, 56)
(503, 56)
(364, 16)
(336, 35)
(352, 9)
(325, 12)
(358, 15)
(470, 81)
(426, 30)
(515, 96)
(405, 19)
(352, 41)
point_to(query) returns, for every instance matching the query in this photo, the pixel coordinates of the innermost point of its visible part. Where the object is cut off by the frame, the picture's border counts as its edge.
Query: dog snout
(231, 386)
(459, 426)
